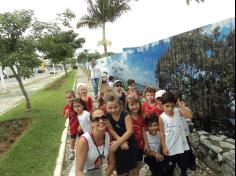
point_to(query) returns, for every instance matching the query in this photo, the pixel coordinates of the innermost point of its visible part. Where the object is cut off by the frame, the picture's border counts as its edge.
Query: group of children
(150, 128)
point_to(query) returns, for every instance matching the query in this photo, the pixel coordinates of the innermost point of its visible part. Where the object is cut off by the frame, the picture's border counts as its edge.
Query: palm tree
(102, 11)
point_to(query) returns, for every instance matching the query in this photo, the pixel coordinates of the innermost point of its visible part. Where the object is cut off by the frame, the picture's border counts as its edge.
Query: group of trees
(202, 67)
(23, 39)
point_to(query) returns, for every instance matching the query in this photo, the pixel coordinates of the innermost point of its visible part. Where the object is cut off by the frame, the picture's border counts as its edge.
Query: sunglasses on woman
(118, 85)
(97, 119)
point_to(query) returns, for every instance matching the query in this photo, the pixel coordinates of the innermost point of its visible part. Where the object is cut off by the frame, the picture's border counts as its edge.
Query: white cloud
(149, 20)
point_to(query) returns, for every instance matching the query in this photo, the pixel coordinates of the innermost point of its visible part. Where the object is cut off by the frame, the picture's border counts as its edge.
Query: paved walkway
(69, 166)
(14, 95)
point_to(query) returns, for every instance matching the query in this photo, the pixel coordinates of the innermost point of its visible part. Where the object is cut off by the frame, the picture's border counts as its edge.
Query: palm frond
(87, 21)
(117, 8)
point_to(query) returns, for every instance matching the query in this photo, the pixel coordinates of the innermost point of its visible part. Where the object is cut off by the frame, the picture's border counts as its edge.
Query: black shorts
(73, 136)
(181, 159)
(140, 154)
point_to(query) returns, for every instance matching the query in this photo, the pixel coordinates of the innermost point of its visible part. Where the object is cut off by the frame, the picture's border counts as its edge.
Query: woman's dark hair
(151, 118)
(80, 101)
(168, 97)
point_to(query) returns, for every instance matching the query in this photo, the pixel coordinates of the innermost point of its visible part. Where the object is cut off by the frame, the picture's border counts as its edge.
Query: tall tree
(102, 11)
(17, 46)
(60, 46)
(60, 42)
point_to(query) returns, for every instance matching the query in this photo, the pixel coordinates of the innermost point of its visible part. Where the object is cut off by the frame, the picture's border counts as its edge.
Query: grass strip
(35, 152)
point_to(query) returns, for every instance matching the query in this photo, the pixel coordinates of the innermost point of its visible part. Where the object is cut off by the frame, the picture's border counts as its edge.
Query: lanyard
(100, 155)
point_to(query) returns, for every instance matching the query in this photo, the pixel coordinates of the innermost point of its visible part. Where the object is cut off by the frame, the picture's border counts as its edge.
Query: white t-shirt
(93, 154)
(110, 83)
(154, 142)
(95, 72)
(92, 157)
(175, 138)
(84, 120)
(185, 126)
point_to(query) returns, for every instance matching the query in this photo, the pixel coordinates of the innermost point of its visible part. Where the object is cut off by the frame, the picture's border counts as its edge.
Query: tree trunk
(65, 69)
(27, 100)
(104, 38)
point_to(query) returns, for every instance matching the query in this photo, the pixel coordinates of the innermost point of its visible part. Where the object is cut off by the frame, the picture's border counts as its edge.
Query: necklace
(99, 160)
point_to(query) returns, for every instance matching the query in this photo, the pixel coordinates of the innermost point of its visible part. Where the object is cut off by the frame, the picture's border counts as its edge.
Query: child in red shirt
(151, 105)
(83, 94)
(73, 121)
(133, 106)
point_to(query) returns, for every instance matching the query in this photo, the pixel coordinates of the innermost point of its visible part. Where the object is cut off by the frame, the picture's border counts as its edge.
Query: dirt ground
(10, 131)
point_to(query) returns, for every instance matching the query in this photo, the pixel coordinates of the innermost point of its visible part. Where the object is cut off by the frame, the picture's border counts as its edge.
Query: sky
(147, 22)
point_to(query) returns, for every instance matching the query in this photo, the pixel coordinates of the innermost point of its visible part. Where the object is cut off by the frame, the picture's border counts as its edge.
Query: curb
(62, 148)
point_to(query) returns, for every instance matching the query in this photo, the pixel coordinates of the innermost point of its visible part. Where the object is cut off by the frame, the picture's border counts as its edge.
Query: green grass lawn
(35, 152)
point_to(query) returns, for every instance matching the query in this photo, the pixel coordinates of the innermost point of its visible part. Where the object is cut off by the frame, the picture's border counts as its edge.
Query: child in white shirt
(173, 139)
(154, 158)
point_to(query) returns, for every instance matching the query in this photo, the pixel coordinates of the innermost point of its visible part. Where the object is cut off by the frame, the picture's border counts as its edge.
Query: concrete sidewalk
(81, 78)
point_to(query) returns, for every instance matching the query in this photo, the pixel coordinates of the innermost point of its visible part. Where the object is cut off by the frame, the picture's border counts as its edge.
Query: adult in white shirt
(93, 149)
(95, 76)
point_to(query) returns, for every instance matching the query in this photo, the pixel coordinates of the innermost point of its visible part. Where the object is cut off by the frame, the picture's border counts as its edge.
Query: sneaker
(71, 155)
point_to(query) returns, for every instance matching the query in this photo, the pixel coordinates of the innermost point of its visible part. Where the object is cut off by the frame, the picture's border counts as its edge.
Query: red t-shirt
(148, 109)
(73, 120)
(138, 125)
(89, 104)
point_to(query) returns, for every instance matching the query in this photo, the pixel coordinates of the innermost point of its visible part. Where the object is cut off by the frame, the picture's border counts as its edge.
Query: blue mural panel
(200, 63)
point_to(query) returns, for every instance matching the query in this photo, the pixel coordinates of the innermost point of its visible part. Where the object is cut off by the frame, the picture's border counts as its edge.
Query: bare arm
(82, 152)
(162, 137)
(111, 163)
(112, 131)
(66, 114)
(184, 110)
(129, 130)
(145, 139)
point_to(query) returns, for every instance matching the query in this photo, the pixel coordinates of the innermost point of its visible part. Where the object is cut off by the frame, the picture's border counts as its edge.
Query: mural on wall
(200, 63)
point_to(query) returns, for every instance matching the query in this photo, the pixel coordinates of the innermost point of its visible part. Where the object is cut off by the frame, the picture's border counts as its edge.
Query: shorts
(140, 154)
(181, 159)
(73, 136)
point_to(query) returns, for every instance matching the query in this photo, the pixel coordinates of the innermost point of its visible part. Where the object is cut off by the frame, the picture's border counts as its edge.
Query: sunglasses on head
(118, 85)
(97, 119)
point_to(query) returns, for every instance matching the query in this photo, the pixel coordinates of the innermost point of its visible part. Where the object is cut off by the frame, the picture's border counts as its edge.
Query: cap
(159, 93)
(104, 75)
(117, 81)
